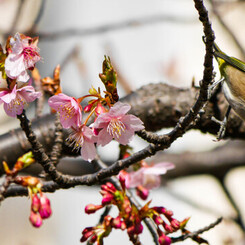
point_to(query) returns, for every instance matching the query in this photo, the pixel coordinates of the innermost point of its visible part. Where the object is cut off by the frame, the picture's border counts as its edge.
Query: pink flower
(14, 100)
(116, 125)
(83, 137)
(69, 109)
(149, 176)
(24, 54)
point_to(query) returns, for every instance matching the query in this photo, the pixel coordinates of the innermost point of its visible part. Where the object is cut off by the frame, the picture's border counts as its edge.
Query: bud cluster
(129, 217)
(40, 204)
(40, 209)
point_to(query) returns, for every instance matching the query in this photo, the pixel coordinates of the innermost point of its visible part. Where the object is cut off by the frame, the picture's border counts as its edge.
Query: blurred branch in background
(227, 29)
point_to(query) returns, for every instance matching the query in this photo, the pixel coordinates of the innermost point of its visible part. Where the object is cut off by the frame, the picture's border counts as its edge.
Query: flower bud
(45, 208)
(107, 199)
(142, 192)
(164, 240)
(160, 210)
(157, 219)
(87, 108)
(35, 219)
(122, 178)
(35, 204)
(167, 227)
(100, 109)
(118, 223)
(91, 208)
(175, 224)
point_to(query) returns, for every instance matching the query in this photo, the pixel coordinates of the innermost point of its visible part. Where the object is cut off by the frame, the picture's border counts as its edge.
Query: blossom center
(76, 138)
(116, 128)
(31, 55)
(15, 104)
(67, 111)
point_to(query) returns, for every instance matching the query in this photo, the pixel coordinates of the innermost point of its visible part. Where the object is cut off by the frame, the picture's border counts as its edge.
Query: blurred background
(148, 42)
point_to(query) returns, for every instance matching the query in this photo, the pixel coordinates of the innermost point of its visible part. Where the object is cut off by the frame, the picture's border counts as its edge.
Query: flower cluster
(111, 120)
(130, 217)
(40, 206)
(21, 55)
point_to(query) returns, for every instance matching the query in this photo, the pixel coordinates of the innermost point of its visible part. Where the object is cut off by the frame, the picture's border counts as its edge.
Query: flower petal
(159, 168)
(104, 137)
(88, 151)
(119, 109)
(132, 122)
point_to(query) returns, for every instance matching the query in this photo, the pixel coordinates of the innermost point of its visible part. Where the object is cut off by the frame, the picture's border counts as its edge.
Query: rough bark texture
(158, 105)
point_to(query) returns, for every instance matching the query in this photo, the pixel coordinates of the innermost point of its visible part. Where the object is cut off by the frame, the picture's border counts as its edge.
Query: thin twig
(196, 233)
(38, 18)
(16, 18)
(111, 27)
(4, 187)
(238, 218)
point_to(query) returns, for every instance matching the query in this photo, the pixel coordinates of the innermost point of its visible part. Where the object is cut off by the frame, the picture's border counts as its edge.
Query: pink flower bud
(93, 238)
(118, 223)
(122, 178)
(91, 208)
(138, 228)
(160, 210)
(35, 204)
(167, 227)
(168, 213)
(45, 208)
(35, 219)
(87, 108)
(142, 192)
(111, 187)
(100, 109)
(157, 219)
(107, 199)
(164, 240)
(175, 224)
(87, 232)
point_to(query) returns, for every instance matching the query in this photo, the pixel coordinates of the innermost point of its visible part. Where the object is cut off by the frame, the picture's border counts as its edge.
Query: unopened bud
(35, 219)
(164, 240)
(87, 108)
(157, 219)
(35, 204)
(142, 192)
(107, 199)
(45, 208)
(175, 224)
(91, 208)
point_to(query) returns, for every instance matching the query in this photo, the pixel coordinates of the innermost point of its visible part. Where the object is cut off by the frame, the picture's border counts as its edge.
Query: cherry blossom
(69, 109)
(14, 100)
(148, 176)
(83, 137)
(23, 55)
(115, 124)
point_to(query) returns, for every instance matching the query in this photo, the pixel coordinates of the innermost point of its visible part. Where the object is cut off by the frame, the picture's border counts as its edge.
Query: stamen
(76, 138)
(67, 110)
(15, 104)
(116, 128)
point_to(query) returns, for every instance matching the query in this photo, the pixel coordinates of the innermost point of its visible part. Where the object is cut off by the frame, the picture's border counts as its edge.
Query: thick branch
(158, 105)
